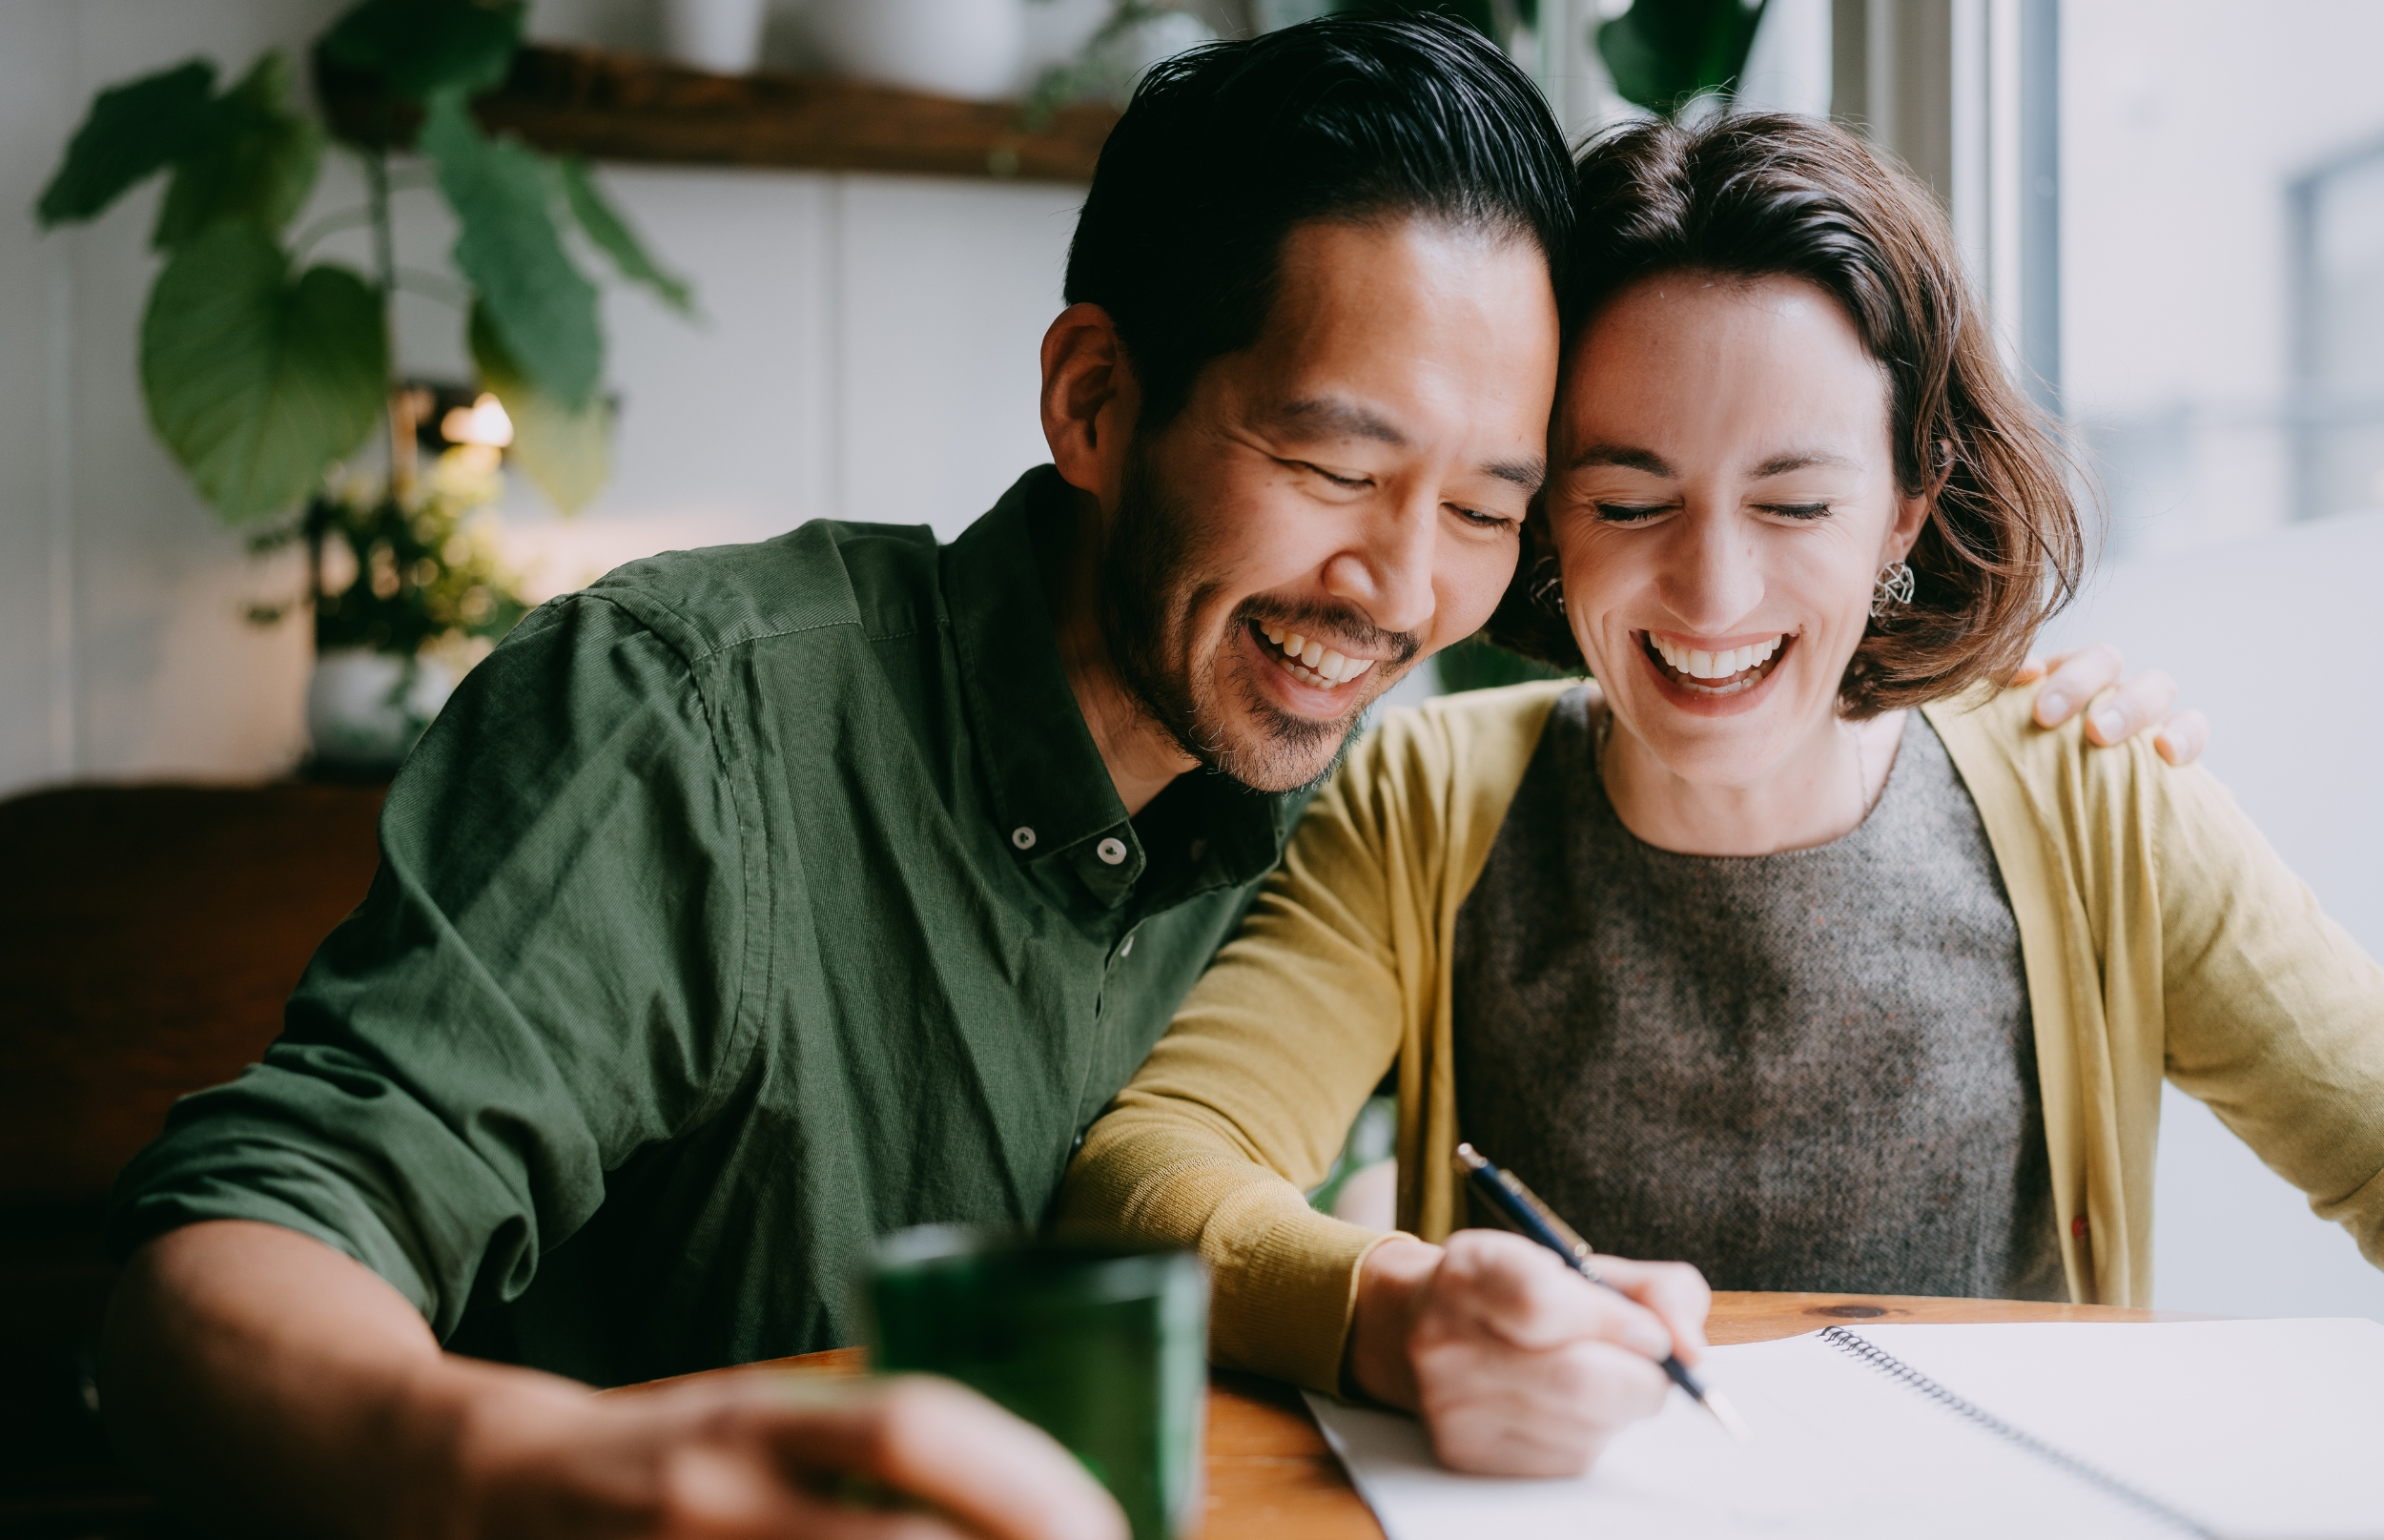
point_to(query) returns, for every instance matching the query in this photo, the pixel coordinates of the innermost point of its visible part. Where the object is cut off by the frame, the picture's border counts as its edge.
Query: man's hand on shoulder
(2085, 678)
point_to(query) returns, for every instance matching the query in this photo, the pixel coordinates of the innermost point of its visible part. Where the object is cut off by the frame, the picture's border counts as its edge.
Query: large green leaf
(1663, 53)
(256, 383)
(609, 231)
(249, 157)
(133, 129)
(568, 454)
(504, 194)
(421, 47)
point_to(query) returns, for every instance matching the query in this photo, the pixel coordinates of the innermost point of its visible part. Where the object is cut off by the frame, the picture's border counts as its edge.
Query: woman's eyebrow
(1801, 460)
(1625, 455)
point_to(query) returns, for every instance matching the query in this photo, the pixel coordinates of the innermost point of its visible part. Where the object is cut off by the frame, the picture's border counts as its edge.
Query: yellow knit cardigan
(2159, 931)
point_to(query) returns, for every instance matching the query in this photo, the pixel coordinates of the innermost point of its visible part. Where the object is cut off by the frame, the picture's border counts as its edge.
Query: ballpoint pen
(1520, 1207)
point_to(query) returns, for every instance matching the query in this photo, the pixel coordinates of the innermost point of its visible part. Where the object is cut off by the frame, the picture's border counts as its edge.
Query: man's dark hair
(1225, 148)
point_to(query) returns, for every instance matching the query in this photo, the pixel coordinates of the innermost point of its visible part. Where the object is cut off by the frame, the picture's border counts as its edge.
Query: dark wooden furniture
(628, 106)
(1270, 1476)
(148, 937)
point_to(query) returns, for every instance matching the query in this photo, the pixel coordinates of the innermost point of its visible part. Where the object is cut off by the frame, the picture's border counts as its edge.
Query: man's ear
(1090, 400)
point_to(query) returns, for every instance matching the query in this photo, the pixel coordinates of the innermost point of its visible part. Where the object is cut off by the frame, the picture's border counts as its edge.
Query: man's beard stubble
(1152, 583)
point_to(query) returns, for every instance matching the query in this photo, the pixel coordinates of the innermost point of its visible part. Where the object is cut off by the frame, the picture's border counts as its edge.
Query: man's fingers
(2077, 678)
(2130, 708)
(2183, 737)
(1676, 1291)
(952, 1448)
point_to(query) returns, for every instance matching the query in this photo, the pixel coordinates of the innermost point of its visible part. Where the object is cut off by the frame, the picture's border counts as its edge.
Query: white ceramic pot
(724, 37)
(366, 709)
(954, 47)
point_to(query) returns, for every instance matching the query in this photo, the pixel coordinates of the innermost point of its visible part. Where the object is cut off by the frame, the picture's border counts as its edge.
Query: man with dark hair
(754, 902)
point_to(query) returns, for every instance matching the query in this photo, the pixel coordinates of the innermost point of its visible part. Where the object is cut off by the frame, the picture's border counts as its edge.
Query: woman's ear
(1912, 513)
(1090, 400)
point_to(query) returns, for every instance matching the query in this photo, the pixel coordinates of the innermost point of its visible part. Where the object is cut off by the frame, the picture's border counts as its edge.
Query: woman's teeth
(1721, 664)
(1311, 662)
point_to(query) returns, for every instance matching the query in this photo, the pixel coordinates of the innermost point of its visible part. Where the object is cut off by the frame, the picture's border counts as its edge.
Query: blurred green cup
(1104, 1348)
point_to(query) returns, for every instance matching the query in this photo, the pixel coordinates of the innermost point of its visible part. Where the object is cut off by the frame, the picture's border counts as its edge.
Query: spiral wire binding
(1894, 1367)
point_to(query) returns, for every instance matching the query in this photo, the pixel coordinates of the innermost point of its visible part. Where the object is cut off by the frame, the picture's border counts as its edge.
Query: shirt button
(1023, 837)
(1112, 850)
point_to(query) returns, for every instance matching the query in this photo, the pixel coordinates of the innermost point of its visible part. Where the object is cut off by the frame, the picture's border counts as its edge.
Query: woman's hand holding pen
(1518, 1366)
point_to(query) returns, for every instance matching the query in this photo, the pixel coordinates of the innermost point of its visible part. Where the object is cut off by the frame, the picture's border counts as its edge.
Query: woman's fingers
(1676, 1293)
(1546, 1415)
(1523, 1368)
(1508, 1287)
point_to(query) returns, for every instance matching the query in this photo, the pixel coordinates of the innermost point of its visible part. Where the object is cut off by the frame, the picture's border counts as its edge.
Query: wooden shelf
(626, 107)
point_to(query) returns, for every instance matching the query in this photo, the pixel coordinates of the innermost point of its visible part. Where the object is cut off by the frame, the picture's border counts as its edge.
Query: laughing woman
(1794, 952)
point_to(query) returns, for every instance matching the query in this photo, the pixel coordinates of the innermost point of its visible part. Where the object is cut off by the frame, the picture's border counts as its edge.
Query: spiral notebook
(2241, 1429)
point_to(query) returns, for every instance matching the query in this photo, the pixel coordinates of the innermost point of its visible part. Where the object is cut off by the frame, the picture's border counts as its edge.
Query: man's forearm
(254, 1374)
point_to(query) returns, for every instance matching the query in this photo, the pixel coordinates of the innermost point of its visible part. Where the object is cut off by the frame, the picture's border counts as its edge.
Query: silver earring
(1547, 585)
(1892, 586)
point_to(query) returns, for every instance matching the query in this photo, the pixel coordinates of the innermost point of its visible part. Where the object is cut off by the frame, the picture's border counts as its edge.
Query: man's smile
(1308, 660)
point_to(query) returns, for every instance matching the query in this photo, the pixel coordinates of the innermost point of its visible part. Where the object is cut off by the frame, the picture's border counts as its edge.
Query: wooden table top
(1270, 1476)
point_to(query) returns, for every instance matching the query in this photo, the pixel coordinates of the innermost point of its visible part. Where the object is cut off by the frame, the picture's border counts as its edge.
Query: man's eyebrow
(1781, 465)
(1327, 414)
(1526, 474)
(1623, 455)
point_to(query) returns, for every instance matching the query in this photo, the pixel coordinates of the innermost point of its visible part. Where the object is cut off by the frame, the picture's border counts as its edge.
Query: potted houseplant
(270, 378)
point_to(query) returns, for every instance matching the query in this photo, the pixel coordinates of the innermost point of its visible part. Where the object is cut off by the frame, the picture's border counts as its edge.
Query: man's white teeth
(1721, 664)
(1312, 661)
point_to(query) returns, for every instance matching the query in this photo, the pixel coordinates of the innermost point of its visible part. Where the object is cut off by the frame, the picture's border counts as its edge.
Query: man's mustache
(1347, 629)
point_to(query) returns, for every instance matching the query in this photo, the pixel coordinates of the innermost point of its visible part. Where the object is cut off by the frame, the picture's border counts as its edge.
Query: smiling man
(755, 902)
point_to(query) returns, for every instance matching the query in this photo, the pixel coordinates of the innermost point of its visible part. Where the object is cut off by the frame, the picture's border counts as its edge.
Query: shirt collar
(1050, 791)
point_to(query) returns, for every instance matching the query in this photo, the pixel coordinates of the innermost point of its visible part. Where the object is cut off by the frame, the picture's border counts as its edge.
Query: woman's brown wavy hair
(1778, 195)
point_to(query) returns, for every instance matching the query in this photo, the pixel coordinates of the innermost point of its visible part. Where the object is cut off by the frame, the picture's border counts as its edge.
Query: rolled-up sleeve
(547, 975)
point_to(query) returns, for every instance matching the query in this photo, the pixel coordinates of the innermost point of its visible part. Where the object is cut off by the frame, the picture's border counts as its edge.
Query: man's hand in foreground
(2075, 680)
(270, 1384)
(1517, 1365)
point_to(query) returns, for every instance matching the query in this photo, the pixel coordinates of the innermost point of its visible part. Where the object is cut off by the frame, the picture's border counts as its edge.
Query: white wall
(2302, 747)
(866, 350)
(2182, 123)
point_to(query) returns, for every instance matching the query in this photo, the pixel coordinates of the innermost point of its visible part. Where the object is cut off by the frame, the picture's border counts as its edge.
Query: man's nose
(1387, 570)
(1712, 579)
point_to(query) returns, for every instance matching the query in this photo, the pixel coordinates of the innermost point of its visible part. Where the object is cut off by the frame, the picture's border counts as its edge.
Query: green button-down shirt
(747, 905)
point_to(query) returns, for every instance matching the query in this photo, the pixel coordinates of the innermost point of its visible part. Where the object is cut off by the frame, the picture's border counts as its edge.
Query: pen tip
(1728, 1416)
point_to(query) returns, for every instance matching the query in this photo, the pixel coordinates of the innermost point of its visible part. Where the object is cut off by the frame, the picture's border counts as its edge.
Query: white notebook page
(2268, 1431)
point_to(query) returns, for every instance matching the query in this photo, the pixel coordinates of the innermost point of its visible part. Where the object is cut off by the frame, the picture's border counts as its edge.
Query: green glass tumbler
(1103, 1348)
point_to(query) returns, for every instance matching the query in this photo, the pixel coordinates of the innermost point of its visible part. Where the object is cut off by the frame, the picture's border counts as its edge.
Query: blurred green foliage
(1664, 55)
(261, 372)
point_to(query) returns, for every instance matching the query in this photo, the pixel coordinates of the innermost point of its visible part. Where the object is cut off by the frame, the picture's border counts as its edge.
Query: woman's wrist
(1392, 1280)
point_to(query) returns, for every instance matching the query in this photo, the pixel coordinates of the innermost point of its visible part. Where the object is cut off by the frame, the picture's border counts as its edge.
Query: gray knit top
(1813, 1070)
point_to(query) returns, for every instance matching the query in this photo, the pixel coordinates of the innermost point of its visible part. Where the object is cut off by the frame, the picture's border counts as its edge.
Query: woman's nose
(1713, 578)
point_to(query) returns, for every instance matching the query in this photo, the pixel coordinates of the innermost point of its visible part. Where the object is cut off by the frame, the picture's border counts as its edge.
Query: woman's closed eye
(1629, 513)
(1796, 511)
